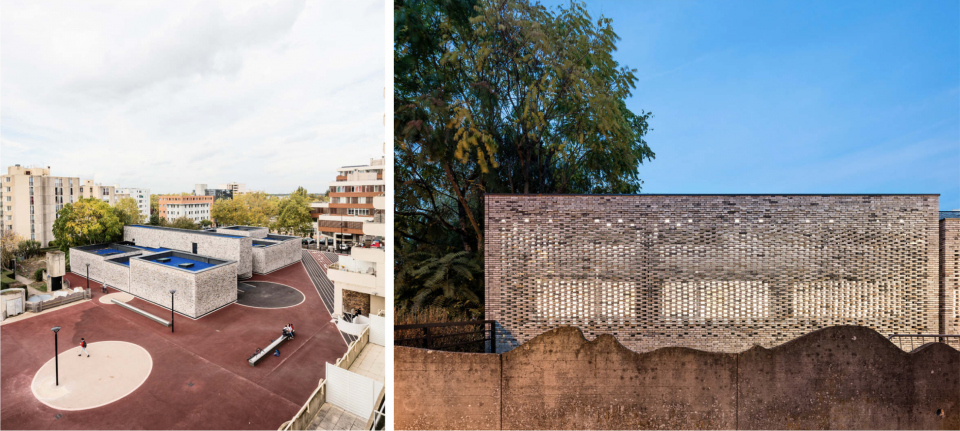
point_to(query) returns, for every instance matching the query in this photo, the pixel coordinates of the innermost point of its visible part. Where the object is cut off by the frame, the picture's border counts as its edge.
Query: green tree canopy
(501, 97)
(88, 221)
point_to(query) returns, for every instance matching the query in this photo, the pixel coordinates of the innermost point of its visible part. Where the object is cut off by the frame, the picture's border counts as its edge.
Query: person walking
(83, 348)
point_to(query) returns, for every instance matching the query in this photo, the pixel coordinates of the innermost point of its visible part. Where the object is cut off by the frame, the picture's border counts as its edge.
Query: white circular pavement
(114, 370)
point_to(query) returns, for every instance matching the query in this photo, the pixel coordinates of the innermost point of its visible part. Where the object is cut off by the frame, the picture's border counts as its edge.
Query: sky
(795, 96)
(164, 95)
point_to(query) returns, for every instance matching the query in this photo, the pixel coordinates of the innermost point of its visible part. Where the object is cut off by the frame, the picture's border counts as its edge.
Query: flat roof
(197, 262)
(198, 232)
(243, 228)
(717, 194)
(155, 250)
(106, 249)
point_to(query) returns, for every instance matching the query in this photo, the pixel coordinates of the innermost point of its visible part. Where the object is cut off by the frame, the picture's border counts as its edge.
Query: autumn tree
(293, 214)
(9, 241)
(184, 222)
(88, 221)
(128, 212)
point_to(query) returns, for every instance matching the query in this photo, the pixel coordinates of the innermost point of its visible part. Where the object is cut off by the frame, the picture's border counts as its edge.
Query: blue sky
(796, 96)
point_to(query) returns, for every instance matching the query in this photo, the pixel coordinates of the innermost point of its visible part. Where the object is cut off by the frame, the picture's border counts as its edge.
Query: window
(8, 200)
(31, 191)
(7, 178)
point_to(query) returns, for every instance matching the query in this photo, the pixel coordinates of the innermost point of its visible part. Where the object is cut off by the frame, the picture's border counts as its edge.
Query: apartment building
(108, 194)
(142, 196)
(358, 279)
(196, 208)
(31, 198)
(351, 201)
(234, 187)
(203, 190)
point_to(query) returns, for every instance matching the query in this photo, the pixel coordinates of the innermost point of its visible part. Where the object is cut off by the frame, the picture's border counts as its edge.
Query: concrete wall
(716, 273)
(237, 249)
(271, 258)
(79, 259)
(839, 377)
(950, 276)
(442, 390)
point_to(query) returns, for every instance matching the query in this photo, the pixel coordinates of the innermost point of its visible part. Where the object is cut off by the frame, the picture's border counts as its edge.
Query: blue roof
(949, 214)
(177, 260)
(199, 232)
(155, 250)
(107, 251)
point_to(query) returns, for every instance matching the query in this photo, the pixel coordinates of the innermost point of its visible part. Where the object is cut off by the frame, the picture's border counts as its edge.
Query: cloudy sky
(164, 95)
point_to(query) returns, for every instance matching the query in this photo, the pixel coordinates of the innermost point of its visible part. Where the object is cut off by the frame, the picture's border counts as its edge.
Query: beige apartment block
(31, 197)
(90, 189)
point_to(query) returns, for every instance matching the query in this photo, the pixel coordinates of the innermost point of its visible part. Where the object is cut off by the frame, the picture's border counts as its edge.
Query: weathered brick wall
(950, 276)
(716, 273)
(847, 377)
(353, 300)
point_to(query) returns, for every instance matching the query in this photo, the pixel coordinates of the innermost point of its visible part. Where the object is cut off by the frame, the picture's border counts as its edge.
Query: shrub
(38, 274)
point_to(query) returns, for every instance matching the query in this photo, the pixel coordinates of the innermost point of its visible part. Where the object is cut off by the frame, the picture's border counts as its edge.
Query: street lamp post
(56, 354)
(88, 276)
(172, 291)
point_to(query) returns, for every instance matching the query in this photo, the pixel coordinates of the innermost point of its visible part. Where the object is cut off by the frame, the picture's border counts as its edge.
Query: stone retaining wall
(843, 377)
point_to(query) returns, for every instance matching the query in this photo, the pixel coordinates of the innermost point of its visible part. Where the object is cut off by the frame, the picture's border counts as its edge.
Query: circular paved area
(266, 294)
(119, 296)
(114, 370)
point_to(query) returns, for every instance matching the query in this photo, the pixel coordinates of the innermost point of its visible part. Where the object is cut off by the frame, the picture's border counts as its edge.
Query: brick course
(716, 273)
(950, 276)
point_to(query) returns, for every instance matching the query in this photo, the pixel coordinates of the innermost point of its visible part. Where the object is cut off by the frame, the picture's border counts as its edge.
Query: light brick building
(351, 201)
(713, 272)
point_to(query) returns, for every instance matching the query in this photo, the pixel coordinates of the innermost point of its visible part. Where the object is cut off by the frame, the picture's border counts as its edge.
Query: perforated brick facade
(716, 273)
(950, 275)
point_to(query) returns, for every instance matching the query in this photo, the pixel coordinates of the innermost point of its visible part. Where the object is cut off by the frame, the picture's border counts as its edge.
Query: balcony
(360, 275)
(372, 255)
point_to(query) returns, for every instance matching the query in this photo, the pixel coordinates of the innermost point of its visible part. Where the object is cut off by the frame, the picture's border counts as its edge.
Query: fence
(917, 340)
(36, 307)
(447, 336)
(310, 409)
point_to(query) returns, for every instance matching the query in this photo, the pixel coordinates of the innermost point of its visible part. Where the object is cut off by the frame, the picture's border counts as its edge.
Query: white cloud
(168, 94)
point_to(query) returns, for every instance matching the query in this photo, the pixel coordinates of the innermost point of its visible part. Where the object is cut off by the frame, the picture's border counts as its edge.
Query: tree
(128, 212)
(9, 242)
(501, 97)
(445, 280)
(155, 219)
(229, 212)
(88, 221)
(261, 208)
(206, 223)
(29, 248)
(184, 223)
(154, 205)
(294, 215)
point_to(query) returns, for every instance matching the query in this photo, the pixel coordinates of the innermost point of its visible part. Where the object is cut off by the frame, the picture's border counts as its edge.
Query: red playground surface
(200, 378)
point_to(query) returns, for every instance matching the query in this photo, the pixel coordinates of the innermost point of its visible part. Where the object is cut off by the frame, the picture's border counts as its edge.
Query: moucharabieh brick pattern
(716, 273)
(950, 275)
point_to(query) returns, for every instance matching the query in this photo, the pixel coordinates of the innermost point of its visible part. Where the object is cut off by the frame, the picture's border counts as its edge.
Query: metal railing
(952, 340)
(444, 336)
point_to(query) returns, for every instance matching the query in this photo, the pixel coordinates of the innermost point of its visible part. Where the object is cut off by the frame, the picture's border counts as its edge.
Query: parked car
(376, 244)
(343, 247)
(309, 241)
